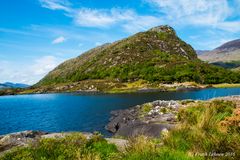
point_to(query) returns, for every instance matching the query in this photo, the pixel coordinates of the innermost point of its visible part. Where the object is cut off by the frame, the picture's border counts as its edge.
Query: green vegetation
(157, 55)
(164, 69)
(11, 91)
(72, 147)
(226, 85)
(143, 148)
(204, 129)
(229, 65)
(145, 109)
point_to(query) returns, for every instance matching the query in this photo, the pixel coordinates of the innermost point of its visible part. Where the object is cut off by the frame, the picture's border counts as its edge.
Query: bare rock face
(149, 119)
(163, 28)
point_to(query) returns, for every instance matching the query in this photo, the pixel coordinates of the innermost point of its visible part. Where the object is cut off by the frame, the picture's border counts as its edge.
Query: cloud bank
(211, 13)
(214, 13)
(30, 73)
(128, 19)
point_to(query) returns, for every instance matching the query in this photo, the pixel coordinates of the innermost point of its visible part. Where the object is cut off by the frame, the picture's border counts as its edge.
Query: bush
(75, 146)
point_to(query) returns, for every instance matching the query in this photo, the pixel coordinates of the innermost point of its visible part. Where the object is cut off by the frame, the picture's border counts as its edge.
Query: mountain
(230, 46)
(156, 55)
(200, 52)
(12, 85)
(226, 55)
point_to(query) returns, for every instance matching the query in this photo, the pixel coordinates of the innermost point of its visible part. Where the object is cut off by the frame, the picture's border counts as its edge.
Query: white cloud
(104, 18)
(43, 65)
(56, 4)
(98, 43)
(58, 40)
(212, 13)
(213, 43)
(29, 73)
(127, 19)
(229, 26)
(93, 18)
(141, 23)
(215, 15)
(210, 39)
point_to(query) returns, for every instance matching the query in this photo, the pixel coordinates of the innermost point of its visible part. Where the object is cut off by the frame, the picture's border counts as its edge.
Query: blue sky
(37, 35)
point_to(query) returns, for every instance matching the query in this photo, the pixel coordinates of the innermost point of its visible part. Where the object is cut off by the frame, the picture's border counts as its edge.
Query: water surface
(73, 112)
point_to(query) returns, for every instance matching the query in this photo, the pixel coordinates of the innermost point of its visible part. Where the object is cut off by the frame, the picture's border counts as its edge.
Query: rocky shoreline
(151, 119)
(101, 87)
(113, 88)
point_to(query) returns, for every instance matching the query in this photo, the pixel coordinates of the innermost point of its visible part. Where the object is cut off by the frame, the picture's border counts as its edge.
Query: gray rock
(19, 139)
(147, 129)
(163, 28)
(128, 123)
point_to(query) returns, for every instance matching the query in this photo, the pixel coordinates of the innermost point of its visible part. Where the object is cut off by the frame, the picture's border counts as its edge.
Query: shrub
(146, 108)
(75, 146)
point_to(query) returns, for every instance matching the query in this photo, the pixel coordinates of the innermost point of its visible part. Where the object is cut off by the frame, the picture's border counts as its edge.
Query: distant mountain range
(226, 55)
(200, 52)
(13, 85)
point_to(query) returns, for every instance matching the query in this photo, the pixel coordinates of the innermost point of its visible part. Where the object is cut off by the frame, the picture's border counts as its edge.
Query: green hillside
(157, 55)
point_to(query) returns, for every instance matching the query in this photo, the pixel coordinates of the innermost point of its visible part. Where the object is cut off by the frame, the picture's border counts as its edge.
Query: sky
(38, 35)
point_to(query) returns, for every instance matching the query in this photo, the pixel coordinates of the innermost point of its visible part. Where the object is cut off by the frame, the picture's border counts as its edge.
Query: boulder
(19, 139)
(135, 121)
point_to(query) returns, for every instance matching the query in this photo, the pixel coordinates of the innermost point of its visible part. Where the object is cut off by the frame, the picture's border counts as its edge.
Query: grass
(201, 130)
(226, 85)
(143, 148)
(131, 87)
(205, 129)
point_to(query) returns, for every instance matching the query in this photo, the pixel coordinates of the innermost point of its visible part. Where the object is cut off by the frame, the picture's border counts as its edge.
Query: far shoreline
(182, 87)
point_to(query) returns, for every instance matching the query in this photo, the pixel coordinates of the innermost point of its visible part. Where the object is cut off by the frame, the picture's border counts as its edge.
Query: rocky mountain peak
(163, 28)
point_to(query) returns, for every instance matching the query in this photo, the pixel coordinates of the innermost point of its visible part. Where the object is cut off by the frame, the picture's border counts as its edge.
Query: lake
(81, 112)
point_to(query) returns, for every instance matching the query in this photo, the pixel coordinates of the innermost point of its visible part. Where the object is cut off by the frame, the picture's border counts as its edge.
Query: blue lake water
(86, 113)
